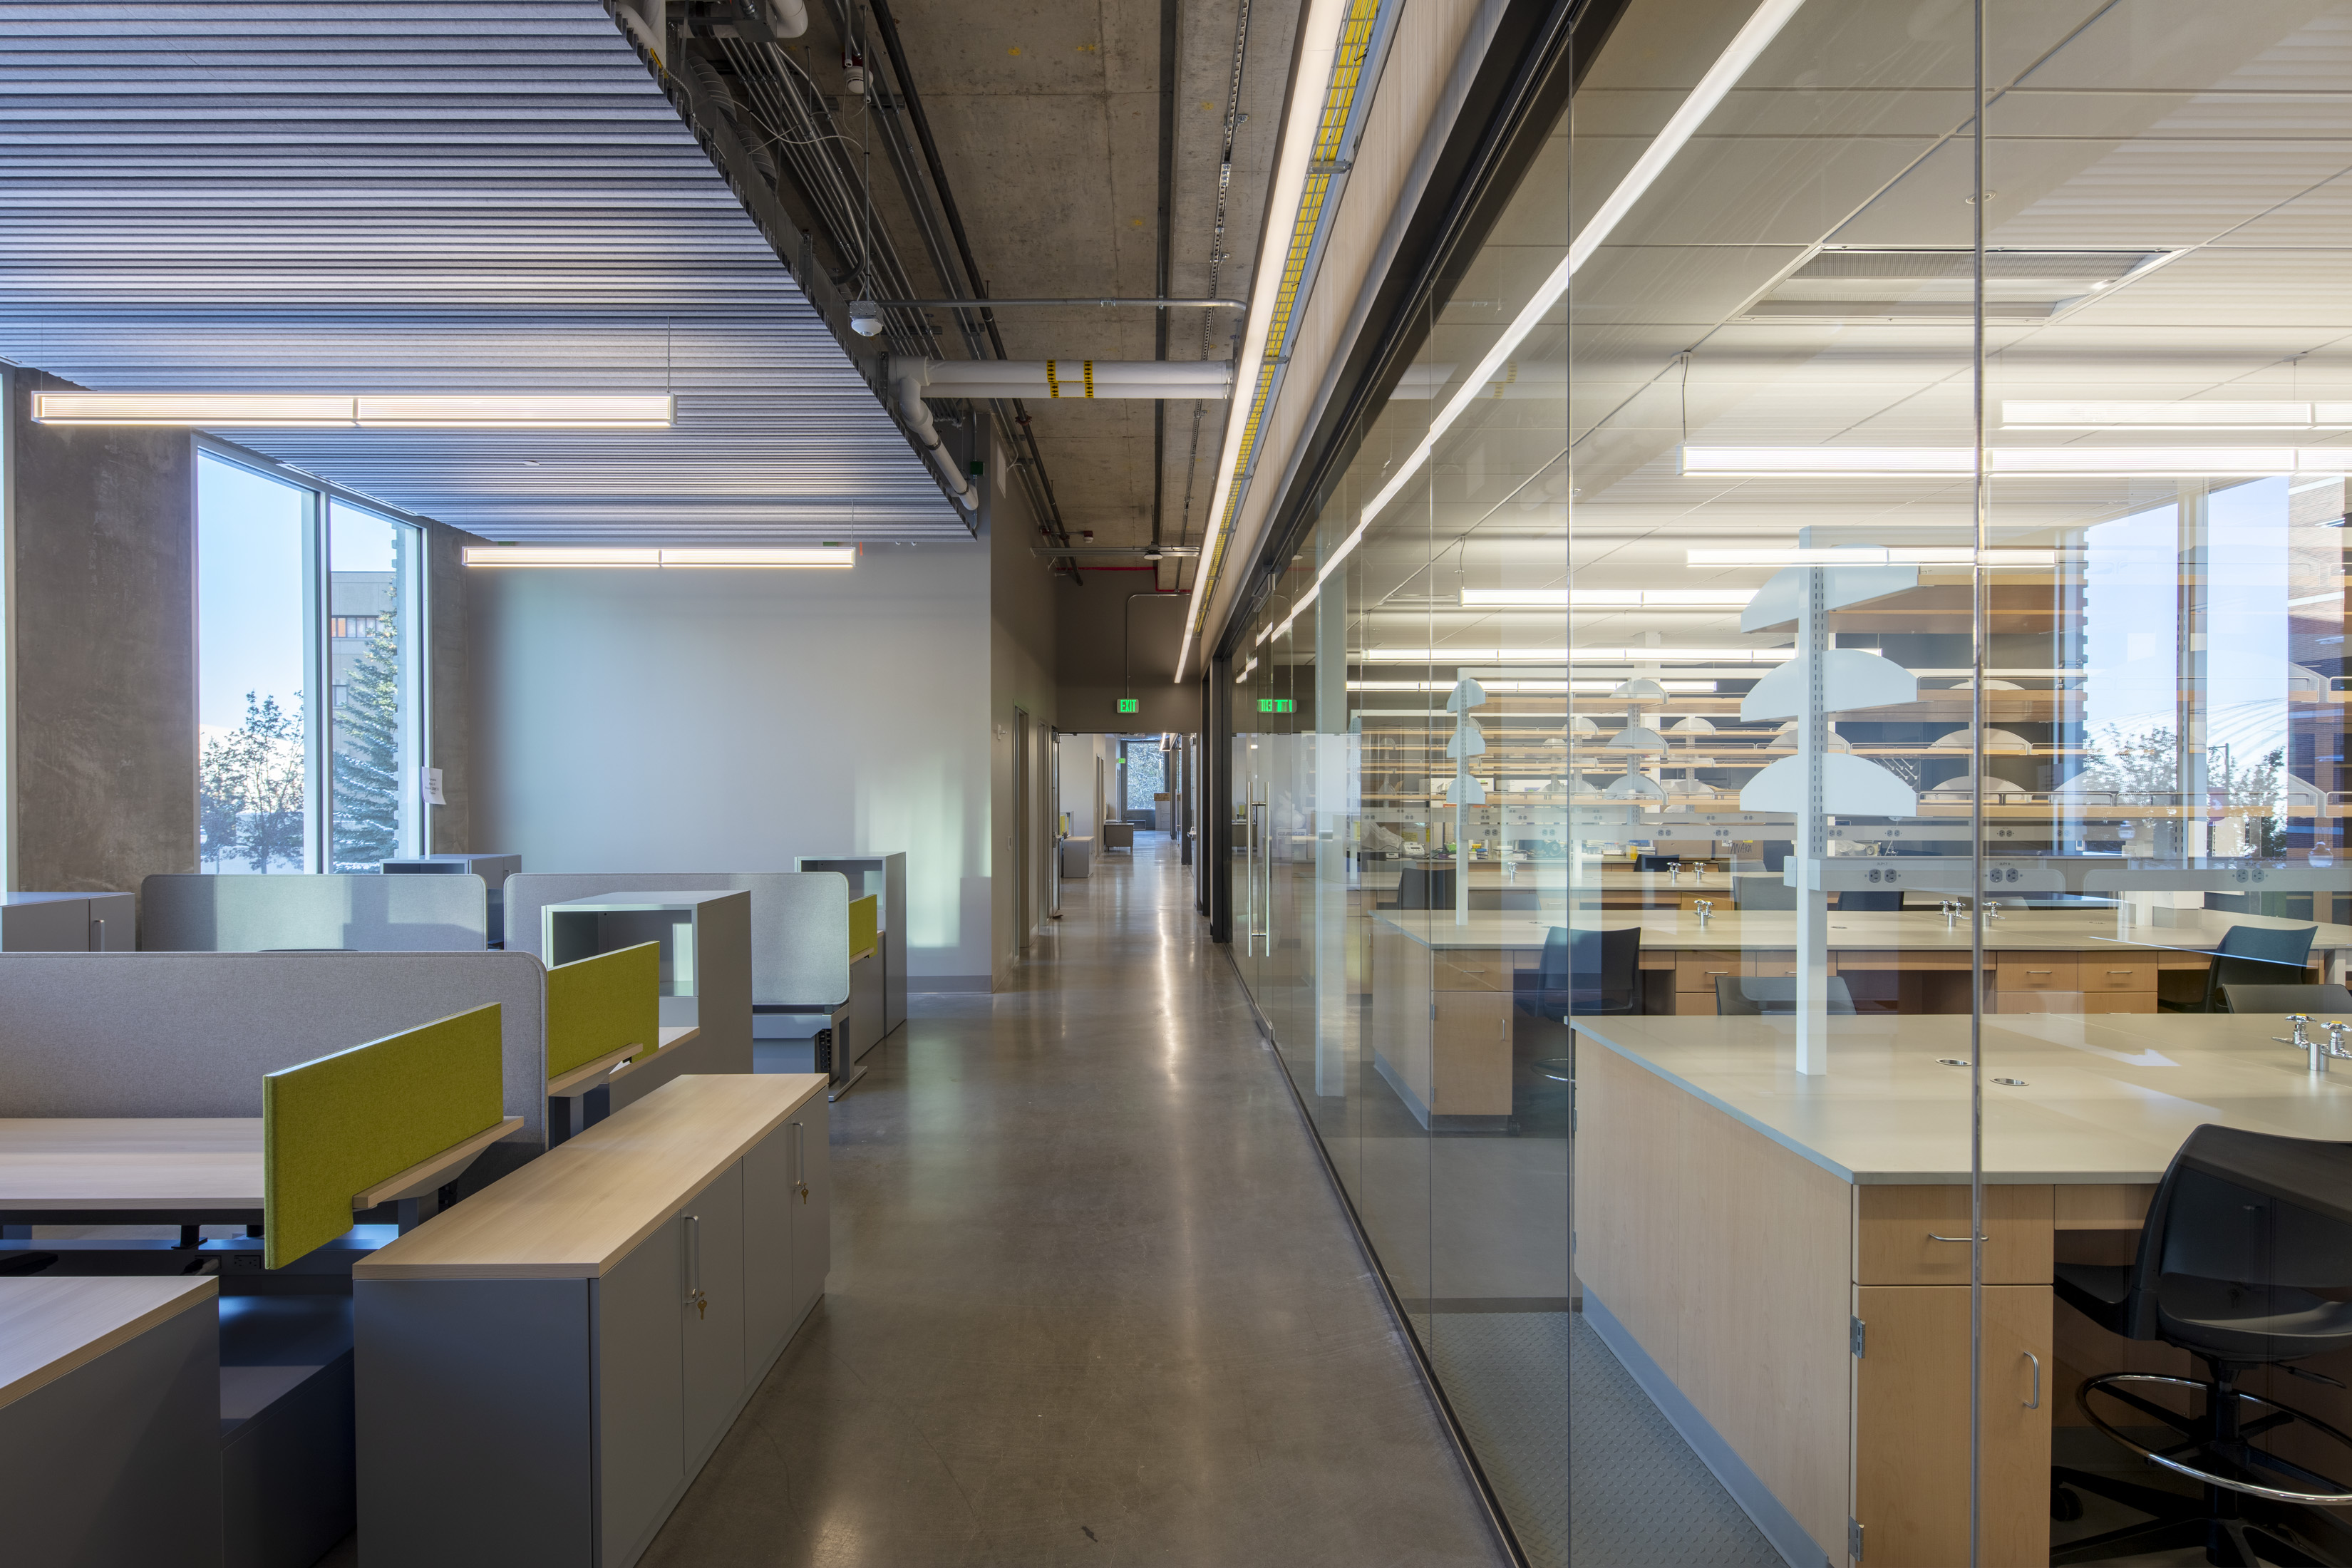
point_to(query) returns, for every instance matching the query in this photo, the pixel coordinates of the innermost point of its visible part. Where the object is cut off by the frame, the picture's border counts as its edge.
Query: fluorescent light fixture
(246, 408)
(835, 556)
(1761, 27)
(2011, 462)
(1535, 688)
(1606, 598)
(259, 410)
(2184, 414)
(524, 412)
(1320, 29)
(1582, 655)
(1871, 555)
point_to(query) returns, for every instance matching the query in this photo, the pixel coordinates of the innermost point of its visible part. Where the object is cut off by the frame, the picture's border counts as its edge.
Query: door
(1023, 835)
(1911, 1424)
(769, 1200)
(812, 1216)
(711, 1310)
(640, 1457)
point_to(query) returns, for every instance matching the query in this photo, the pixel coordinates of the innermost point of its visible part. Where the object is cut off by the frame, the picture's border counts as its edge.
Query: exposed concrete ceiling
(1048, 122)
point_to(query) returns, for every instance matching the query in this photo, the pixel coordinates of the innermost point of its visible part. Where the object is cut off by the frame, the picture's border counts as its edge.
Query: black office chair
(1751, 996)
(1878, 899)
(2252, 955)
(1423, 888)
(1656, 862)
(1582, 973)
(2318, 1001)
(2246, 1232)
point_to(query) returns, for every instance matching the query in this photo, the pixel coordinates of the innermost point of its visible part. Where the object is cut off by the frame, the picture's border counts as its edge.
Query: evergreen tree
(367, 751)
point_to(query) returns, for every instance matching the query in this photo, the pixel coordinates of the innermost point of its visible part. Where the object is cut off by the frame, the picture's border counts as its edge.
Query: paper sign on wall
(433, 786)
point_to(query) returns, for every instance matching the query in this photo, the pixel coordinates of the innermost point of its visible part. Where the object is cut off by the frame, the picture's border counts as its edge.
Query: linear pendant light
(2181, 414)
(2011, 462)
(1606, 598)
(409, 411)
(1754, 37)
(836, 557)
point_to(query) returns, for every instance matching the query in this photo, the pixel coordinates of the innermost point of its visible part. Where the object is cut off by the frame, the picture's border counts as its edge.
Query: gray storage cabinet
(67, 922)
(542, 1390)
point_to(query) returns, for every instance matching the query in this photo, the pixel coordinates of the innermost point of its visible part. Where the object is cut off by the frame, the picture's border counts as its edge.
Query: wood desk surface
(49, 1328)
(576, 1210)
(2104, 1098)
(130, 1162)
(2025, 931)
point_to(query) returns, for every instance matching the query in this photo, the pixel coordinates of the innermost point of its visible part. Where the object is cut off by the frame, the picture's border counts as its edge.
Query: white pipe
(646, 31)
(791, 18)
(908, 373)
(1101, 378)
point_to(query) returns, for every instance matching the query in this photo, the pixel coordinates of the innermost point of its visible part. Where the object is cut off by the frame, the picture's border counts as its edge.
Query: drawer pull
(2111, 971)
(2038, 972)
(1962, 1239)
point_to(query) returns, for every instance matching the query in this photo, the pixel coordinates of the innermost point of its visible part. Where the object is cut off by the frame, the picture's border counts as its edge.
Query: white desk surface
(2108, 1098)
(130, 1162)
(2023, 930)
(49, 1328)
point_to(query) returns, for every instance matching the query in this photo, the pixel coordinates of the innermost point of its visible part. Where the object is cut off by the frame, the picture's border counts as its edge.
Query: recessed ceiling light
(2011, 462)
(834, 556)
(431, 411)
(1839, 284)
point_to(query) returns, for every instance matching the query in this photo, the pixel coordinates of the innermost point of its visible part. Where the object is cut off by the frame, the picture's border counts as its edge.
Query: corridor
(1092, 1298)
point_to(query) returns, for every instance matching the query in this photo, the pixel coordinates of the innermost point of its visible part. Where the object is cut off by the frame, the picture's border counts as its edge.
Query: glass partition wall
(1790, 790)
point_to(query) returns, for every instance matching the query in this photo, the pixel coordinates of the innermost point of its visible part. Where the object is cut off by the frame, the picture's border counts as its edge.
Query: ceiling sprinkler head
(864, 318)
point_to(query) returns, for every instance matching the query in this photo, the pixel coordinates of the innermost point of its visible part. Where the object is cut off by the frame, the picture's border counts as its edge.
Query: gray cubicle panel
(67, 922)
(173, 1034)
(800, 921)
(884, 874)
(705, 938)
(193, 912)
(493, 870)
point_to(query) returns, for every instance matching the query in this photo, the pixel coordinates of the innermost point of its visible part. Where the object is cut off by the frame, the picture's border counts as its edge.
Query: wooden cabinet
(1897, 1228)
(1911, 1424)
(578, 1337)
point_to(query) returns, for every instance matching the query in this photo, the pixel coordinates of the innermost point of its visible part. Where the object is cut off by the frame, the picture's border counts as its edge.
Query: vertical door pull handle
(694, 1296)
(800, 1160)
(2035, 1403)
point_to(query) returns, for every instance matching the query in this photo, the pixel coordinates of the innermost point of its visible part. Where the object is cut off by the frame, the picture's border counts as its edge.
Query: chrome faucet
(1951, 908)
(1702, 908)
(1674, 873)
(2321, 1050)
(2298, 1039)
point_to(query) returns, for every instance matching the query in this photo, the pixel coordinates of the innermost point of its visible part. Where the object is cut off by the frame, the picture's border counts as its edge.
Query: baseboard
(919, 984)
(1755, 1498)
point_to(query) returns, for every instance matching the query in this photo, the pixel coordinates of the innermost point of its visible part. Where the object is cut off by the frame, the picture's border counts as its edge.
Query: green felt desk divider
(597, 1006)
(331, 1129)
(865, 923)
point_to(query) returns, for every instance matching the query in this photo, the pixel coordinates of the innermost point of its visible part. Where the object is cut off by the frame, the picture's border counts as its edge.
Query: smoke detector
(864, 318)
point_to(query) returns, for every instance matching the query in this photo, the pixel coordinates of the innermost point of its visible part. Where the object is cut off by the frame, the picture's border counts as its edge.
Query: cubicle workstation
(800, 933)
(315, 1160)
(493, 870)
(695, 950)
(359, 912)
(546, 1368)
(884, 876)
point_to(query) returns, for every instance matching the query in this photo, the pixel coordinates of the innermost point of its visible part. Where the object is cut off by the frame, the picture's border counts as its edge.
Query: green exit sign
(1276, 705)
(1130, 705)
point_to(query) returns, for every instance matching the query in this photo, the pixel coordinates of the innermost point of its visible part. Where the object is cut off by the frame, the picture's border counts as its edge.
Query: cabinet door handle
(694, 1296)
(800, 1160)
(2035, 1403)
(1963, 1240)
(2037, 972)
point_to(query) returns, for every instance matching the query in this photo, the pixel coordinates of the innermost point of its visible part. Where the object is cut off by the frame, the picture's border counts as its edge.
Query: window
(309, 670)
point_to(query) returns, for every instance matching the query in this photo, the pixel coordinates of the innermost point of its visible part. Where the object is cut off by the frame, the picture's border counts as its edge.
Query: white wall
(728, 720)
(1078, 756)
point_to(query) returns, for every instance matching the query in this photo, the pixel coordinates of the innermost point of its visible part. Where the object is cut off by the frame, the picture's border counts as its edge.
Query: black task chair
(1886, 900)
(1423, 888)
(2318, 1001)
(1751, 996)
(1582, 973)
(2246, 1232)
(2252, 955)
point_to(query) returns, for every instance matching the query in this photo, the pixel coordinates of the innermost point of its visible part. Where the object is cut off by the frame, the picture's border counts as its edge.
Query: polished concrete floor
(1092, 1298)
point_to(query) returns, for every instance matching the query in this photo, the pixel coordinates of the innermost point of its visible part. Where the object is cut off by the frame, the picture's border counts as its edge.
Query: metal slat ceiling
(490, 196)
